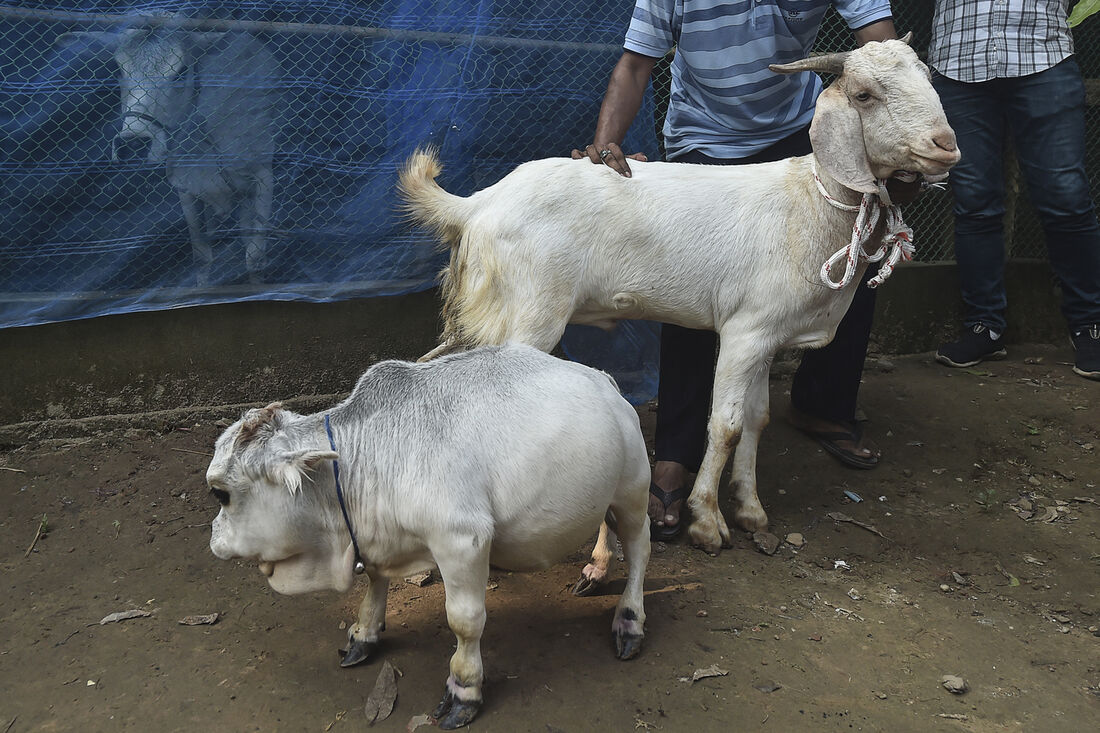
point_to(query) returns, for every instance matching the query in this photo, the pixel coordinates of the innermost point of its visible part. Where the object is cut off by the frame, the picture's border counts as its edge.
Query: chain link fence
(167, 154)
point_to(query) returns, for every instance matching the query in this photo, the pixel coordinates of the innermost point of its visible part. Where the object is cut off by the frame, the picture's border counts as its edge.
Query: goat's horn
(907, 39)
(829, 63)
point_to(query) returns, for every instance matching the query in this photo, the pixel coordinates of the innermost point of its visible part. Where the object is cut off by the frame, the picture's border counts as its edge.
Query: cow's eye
(221, 494)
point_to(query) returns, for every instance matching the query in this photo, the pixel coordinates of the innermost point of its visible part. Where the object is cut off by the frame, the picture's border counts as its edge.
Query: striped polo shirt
(725, 102)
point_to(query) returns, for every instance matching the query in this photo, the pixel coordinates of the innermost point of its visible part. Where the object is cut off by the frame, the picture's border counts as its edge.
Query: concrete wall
(255, 352)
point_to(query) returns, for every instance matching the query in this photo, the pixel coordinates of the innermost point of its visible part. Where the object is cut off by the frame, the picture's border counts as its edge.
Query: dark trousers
(827, 381)
(1044, 114)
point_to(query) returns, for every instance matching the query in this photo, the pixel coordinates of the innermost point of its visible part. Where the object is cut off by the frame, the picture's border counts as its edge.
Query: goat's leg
(732, 376)
(595, 573)
(465, 570)
(255, 221)
(444, 348)
(200, 244)
(749, 515)
(363, 634)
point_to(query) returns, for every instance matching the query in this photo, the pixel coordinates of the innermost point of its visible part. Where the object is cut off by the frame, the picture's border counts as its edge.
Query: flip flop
(660, 532)
(829, 439)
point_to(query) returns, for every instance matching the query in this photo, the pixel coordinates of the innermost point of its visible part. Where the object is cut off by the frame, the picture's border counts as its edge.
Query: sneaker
(976, 344)
(1086, 344)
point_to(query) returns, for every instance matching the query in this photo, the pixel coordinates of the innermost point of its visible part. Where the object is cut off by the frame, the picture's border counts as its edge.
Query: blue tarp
(492, 84)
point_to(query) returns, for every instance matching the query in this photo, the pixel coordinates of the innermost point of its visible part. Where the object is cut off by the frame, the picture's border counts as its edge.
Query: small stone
(701, 613)
(1034, 481)
(420, 579)
(766, 542)
(945, 587)
(1062, 619)
(880, 695)
(795, 539)
(954, 684)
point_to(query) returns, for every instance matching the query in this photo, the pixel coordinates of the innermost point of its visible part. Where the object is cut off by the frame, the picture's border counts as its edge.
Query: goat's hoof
(453, 713)
(356, 652)
(706, 539)
(751, 520)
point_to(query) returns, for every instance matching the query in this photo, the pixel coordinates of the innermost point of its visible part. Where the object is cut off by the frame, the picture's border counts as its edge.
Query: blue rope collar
(360, 566)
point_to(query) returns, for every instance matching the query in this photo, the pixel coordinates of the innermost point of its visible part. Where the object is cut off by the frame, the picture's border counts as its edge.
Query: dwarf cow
(501, 455)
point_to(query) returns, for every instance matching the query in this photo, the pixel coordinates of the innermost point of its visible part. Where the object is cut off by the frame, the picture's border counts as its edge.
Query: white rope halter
(897, 243)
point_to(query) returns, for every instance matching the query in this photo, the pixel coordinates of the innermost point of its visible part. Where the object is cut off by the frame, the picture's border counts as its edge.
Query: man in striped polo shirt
(727, 107)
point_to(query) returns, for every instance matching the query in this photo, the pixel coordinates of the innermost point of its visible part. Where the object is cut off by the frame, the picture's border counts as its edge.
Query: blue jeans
(1044, 114)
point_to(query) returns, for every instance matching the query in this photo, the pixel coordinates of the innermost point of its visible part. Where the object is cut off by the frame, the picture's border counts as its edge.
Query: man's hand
(609, 154)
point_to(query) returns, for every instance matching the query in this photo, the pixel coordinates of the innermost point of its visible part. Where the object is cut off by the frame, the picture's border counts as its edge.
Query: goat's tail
(425, 202)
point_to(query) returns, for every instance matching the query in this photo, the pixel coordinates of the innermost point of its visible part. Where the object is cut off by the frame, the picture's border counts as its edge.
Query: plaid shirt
(979, 40)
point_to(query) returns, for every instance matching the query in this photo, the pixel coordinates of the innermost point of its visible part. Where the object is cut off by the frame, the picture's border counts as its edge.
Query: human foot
(842, 440)
(667, 492)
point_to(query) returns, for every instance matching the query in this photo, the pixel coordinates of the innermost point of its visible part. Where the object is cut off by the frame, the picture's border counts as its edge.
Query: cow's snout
(219, 539)
(129, 148)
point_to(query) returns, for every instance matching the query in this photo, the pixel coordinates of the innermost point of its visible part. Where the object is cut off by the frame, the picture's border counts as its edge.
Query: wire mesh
(165, 154)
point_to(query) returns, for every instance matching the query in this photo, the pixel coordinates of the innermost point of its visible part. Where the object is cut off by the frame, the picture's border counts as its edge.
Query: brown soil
(959, 582)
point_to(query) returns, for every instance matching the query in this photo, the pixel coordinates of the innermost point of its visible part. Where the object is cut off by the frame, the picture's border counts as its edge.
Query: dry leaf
(418, 720)
(382, 698)
(123, 615)
(711, 671)
(210, 618)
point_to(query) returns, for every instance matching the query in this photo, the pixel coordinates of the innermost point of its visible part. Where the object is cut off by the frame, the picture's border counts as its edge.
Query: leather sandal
(663, 532)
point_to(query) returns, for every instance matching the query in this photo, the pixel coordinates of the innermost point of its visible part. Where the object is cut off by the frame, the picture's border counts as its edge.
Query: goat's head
(880, 116)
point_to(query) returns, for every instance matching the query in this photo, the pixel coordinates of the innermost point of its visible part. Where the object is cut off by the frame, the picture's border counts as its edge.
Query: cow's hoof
(453, 713)
(356, 652)
(627, 645)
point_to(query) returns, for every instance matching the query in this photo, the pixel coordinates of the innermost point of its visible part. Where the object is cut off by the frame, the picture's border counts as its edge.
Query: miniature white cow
(501, 455)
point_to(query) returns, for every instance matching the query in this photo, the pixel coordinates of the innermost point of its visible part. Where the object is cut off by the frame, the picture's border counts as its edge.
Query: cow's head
(278, 504)
(156, 78)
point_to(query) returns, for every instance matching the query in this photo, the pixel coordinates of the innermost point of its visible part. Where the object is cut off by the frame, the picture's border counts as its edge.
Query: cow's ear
(293, 465)
(110, 39)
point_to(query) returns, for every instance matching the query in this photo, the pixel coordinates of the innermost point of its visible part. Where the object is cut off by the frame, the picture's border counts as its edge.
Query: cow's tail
(426, 203)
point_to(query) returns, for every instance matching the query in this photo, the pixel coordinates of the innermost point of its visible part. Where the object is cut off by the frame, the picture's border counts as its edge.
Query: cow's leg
(363, 634)
(465, 570)
(200, 244)
(255, 222)
(738, 362)
(632, 523)
(749, 514)
(595, 573)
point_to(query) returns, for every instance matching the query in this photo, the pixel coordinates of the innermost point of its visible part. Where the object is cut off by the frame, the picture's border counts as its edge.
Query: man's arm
(621, 103)
(880, 30)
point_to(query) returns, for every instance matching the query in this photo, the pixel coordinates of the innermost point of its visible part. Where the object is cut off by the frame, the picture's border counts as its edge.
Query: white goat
(736, 249)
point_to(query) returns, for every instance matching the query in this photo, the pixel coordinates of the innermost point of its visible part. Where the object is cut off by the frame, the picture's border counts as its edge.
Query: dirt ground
(973, 552)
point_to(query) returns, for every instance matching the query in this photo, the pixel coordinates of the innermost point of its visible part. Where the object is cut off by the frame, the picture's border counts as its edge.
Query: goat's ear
(291, 466)
(907, 39)
(836, 134)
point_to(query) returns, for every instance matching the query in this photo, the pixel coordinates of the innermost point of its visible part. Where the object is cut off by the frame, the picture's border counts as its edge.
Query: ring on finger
(604, 153)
